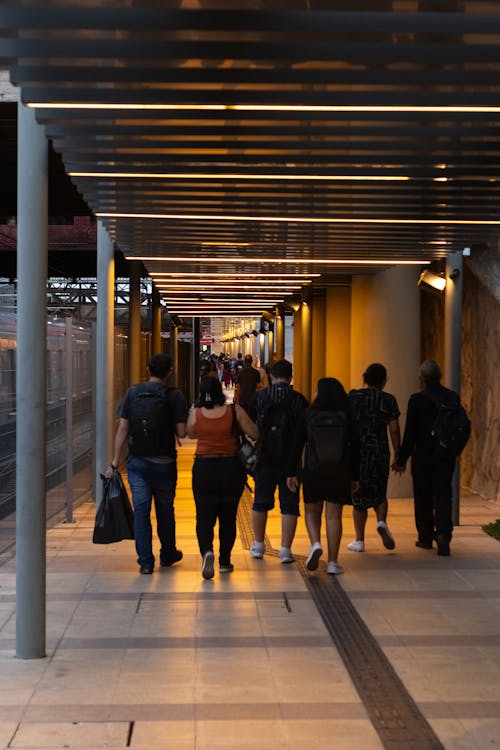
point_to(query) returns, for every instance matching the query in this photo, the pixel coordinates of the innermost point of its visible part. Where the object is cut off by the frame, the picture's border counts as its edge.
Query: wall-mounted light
(267, 316)
(455, 274)
(432, 280)
(255, 333)
(291, 304)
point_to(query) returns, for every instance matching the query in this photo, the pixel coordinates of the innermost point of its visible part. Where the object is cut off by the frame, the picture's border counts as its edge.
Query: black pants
(217, 487)
(432, 493)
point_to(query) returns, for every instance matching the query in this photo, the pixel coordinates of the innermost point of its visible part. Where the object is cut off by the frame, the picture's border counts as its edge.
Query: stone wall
(480, 466)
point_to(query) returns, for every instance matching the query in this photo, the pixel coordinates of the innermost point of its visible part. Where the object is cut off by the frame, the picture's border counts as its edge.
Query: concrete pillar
(318, 362)
(297, 349)
(174, 353)
(262, 349)
(105, 407)
(270, 343)
(338, 335)
(306, 353)
(453, 349)
(155, 322)
(31, 385)
(385, 315)
(134, 323)
(195, 359)
(280, 332)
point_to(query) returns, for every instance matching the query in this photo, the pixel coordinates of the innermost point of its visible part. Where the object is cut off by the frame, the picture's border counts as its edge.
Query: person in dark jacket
(332, 486)
(432, 473)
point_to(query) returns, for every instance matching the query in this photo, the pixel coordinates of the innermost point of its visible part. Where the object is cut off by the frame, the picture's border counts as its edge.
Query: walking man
(276, 410)
(151, 416)
(432, 471)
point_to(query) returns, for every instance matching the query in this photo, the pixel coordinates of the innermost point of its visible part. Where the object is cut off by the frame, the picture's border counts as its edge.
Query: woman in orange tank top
(218, 476)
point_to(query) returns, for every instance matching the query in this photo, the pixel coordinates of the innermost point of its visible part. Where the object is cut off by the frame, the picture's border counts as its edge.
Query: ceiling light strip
(459, 109)
(230, 176)
(285, 261)
(298, 219)
(242, 275)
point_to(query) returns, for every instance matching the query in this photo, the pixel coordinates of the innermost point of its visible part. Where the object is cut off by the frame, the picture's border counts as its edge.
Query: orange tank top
(216, 437)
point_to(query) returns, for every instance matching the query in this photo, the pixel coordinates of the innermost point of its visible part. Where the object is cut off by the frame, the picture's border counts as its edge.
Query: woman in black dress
(329, 482)
(375, 411)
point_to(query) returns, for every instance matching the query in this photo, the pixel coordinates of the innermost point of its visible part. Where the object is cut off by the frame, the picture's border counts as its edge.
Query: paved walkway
(245, 660)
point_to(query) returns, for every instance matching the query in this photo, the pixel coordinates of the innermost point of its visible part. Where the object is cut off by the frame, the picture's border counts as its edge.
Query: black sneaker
(423, 545)
(146, 570)
(172, 559)
(443, 545)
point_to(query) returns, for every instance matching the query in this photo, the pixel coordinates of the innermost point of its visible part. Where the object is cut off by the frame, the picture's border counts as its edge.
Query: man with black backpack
(437, 429)
(151, 416)
(276, 410)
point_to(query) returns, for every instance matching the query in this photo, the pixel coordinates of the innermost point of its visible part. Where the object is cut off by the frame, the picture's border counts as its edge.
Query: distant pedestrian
(376, 411)
(247, 383)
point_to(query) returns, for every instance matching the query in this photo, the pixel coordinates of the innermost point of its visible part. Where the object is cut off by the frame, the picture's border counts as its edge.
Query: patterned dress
(374, 410)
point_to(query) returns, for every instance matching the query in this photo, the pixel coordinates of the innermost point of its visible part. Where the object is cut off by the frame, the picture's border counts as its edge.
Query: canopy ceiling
(304, 136)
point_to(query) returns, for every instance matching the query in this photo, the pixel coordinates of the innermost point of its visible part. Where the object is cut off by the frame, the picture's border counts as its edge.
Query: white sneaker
(386, 535)
(356, 546)
(286, 556)
(257, 549)
(334, 569)
(314, 555)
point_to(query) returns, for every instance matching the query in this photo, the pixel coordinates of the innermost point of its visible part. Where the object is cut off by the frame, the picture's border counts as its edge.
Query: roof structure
(269, 138)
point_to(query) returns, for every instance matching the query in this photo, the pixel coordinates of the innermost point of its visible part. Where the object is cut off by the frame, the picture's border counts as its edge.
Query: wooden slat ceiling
(271, 137)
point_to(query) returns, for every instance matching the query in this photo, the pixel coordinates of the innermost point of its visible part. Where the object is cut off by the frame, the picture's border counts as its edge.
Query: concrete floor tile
(70, 735)
(163, 734)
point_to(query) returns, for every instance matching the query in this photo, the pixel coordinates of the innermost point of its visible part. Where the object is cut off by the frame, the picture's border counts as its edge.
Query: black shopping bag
(114, 519)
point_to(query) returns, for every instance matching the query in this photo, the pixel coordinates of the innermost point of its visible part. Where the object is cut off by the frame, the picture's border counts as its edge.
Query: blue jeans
(147, 480)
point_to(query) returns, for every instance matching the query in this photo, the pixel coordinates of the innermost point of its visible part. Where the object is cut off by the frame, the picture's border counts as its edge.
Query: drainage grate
(392, 711)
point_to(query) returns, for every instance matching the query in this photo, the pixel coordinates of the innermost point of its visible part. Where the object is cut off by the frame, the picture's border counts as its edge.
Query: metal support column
(31, 391)
(453, 349)
(174, 353)
(155, 322)
(280, 333)
(270, 343)
(69, 420)
(134, 322)
(306, 350)
(104, 415)
(195, 359)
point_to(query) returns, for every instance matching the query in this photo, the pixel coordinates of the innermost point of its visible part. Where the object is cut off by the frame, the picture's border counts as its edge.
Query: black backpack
(275, 432)
(451, 427)
(150, 421)
(326, 439)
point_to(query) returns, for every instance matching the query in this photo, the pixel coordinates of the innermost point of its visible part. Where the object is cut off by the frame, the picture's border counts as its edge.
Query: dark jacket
(422, 411)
